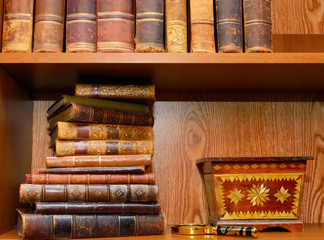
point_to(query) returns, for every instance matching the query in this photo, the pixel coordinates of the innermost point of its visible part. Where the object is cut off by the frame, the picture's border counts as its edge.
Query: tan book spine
(99, 161)
(79, 131)
(17, 26)
(103, 147)
(49, 25)
(176, 26)
(202, 26)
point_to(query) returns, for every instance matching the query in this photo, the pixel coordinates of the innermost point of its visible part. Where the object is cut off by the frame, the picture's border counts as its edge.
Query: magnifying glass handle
(236, 231)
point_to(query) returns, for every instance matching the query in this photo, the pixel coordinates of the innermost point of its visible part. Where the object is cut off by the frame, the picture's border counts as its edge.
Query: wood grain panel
(285, 43)
(1, 22)
(298, 17)
(15, 146)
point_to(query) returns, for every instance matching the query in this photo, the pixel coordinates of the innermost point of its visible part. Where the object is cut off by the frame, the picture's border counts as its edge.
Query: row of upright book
(100, 182)
(126, 26)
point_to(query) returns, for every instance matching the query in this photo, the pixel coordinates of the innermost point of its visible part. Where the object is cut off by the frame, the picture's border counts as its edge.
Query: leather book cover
(149, 26)
(176, 26)
(116, 26)
(202, 26)
(81, 25)
(84, 131)
(103, 147)
(257, 25)
(120, 193)
(66, 100)
(229, 23)
(94, 170)
(33, 226)
(124, 92)
(99, 161)
(147, 178)
(96, 208)
(82, 113)
(49, 26)
(17, 30)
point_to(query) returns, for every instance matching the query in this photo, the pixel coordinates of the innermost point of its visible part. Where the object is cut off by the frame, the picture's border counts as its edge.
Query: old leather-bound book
(229, 23)
(32, 226)
(103, 147)
(257, 25)
(125, 92)
(148, 178)
(99, 161)
(116, 26)
(94, 170)
(202, 26)
(82, 113)
(81, 35)
(49, 25)
(149, 26)
(176, 26)
(84, 131)
(17, 26)
(96, 208)
(31, 193)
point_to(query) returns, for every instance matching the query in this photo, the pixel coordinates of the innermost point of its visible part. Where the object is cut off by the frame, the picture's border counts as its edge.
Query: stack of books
(97, 185)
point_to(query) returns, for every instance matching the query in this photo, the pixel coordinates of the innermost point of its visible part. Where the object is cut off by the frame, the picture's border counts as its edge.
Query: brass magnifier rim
(190, 229)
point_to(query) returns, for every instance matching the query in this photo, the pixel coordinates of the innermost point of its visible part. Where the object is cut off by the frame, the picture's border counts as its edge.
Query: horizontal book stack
(98, 184)
(108, 26)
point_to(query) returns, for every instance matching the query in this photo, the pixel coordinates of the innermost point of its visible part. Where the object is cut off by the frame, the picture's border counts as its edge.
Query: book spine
(81, 26)
(116, 26)
(202, 26)
(95, 170)
(96, 208)
(75, 131)
(17, 26)
(84, 113)
(148, 178)
(229, 26)
(176, 26)
(103, 147)
(257, 25)
(31, 193)
(37, 226)
(115, 91)
(149, 26)
(49, 25)
(99, 161)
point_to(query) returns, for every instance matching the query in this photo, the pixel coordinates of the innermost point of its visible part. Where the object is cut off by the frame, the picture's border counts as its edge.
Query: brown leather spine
(17, 26)
(202, 26)
(115, 91)
(148, 178)
(116, 26)
(96, 208)
(103, 147)
(257, 24)
(94, 170)
(81, 26)
(77, 131)
(30, 193)
(229, 22)
(176, 26)
(49, 25)
(38, 226)
(149, 26)
(99, 161)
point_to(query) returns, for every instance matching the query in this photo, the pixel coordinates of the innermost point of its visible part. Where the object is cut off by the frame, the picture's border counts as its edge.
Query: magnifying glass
(204, 229)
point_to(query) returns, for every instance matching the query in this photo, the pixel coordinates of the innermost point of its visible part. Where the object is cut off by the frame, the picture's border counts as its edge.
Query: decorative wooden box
(263, 192)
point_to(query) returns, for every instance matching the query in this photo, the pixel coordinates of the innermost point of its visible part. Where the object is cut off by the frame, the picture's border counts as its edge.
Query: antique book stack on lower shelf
(98, 184)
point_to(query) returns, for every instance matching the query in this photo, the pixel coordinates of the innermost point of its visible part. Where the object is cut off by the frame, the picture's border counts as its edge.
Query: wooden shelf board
(312, 231)
(169, 72)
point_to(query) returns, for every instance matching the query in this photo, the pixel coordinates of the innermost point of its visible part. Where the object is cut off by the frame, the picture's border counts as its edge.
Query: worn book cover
(17, 32)
(116, 26)
(49, 26)
(94, 170)
(31, 226)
